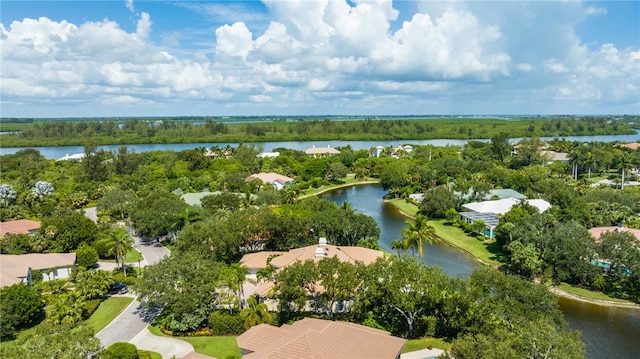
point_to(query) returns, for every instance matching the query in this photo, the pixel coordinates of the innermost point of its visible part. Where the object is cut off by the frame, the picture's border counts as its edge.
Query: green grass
(107, 311)
(348, 181)
(133, 256)
(582, 292)
(406, 207)
(423, 343)
(486, 251)
(153, 355)
(219, 347)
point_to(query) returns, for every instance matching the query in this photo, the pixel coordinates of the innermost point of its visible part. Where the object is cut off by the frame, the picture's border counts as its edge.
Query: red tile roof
(20, 226)
(318, 339)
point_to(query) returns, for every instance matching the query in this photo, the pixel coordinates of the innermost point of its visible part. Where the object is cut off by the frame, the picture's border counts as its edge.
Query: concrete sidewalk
(167, 347)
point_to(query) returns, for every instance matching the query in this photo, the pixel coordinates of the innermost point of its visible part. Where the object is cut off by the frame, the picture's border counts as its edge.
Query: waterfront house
(488, 211)
(322, 151)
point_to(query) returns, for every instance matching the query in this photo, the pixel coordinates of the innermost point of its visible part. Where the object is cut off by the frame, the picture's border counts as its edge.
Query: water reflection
(608, 332)
(367, 199)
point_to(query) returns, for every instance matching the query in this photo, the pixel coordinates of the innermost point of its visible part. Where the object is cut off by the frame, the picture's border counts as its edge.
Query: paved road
(168, 347)
(151, 251)
(91, 213)
(127, 325)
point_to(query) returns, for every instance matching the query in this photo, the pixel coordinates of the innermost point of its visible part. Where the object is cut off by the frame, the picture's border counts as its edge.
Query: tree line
(137, 131)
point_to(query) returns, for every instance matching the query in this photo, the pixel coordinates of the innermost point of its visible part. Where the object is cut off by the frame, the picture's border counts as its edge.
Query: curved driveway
(131, 325)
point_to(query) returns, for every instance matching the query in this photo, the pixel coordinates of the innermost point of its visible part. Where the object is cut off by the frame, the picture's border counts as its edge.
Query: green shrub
(224, 323)
(89, 307)
(131, 278)
(86, 256)
(121, 351)
(481, 238)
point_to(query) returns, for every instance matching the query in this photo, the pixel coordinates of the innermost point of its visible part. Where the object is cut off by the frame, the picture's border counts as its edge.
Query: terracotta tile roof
(597, 232)
(270, 177)
(15, 267)
(319, 339)
(344, 254)
(257, 260)
(20, 226)
(632, 146)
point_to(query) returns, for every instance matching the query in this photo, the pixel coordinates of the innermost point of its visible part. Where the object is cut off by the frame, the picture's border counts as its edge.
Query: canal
(608, 332)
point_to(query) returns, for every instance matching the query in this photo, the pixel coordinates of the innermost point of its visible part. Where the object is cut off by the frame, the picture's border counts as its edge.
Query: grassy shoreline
(472, 249)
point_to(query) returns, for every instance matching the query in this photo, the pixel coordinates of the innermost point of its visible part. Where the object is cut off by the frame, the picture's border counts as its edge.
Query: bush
(130, 279)
(224, 323)
(19, 306)
(203, 332)
(86, 256)
(89, 307)
(121, 351)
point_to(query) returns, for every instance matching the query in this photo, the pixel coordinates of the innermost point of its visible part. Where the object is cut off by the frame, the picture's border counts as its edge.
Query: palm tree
(255, 313)
(118, 243)
(623, 162)
(417, 233)
(397, 245)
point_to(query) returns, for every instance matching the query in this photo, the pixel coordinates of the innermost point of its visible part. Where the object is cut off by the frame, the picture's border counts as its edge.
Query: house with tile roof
(19, 268)
(20, 226)
(319, 339)
(277, 180)
(322, 151)
(258, 260)
(597, 232)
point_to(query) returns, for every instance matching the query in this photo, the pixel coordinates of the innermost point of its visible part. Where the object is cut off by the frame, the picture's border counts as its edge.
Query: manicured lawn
(406, 207)
(423, 343)
(133, 256)
(107, 311)
(219, 347)
(588, 293)
(486, 251)
(348, 181)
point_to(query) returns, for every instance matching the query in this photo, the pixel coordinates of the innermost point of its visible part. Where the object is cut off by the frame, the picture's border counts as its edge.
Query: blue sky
(312, 57)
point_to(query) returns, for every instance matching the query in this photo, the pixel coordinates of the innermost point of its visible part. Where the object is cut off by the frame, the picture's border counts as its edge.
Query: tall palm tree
(623, 162)
(397, 245)
(118, 243)
(417, 233)
(255, 313)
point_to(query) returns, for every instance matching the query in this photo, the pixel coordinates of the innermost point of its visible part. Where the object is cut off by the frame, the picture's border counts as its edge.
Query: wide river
(56, 152)
(608, 332)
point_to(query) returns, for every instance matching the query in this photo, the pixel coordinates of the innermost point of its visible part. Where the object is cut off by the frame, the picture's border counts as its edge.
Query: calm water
(610, 333)
(60, 151)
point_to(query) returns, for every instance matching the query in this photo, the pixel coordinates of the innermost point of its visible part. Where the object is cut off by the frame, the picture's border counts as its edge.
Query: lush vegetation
(107, 311)
(199, 286)
(131, 131)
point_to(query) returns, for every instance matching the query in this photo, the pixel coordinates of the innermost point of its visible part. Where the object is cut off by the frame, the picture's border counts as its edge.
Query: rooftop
(20, 226)
(503, 206)
(15, 267)
(321, 151)
(270, 177)
(319, 339)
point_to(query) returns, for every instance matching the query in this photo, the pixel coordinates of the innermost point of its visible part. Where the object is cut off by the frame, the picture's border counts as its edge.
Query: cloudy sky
(313, 57)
